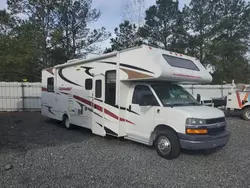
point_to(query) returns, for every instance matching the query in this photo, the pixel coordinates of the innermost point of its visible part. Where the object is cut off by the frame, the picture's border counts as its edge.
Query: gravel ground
(37, 152)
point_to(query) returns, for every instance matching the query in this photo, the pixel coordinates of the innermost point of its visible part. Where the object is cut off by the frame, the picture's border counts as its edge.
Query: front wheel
(167, 144)
(246, 114)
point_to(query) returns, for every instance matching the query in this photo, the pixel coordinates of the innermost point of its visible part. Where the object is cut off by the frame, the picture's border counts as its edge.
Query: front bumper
(198, 142)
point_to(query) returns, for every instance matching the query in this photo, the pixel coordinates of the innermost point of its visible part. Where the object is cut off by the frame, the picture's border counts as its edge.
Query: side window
(50, 84)
(98, 88)
(88, 84)
(143, 94)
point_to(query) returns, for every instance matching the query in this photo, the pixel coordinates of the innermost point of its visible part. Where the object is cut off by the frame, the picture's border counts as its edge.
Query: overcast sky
(112, 11)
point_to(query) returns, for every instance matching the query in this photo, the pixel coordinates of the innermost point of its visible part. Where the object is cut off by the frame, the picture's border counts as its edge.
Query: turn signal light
(196, 131)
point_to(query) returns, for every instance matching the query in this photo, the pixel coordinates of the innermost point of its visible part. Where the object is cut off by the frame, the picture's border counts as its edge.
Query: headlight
(195, 121)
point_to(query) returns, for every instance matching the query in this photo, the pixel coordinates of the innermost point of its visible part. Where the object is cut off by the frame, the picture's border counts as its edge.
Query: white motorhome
(134, 94)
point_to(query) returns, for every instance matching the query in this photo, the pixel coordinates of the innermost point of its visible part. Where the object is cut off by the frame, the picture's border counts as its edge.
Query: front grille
(216, 130)
(219, 125)
(215, 120)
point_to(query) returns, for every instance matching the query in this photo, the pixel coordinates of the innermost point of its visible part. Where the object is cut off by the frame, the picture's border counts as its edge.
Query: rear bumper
(198, 142)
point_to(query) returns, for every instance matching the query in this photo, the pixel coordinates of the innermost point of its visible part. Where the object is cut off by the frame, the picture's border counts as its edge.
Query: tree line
(35, 34)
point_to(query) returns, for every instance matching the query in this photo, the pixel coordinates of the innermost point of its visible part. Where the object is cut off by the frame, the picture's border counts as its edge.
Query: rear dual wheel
(66, 122)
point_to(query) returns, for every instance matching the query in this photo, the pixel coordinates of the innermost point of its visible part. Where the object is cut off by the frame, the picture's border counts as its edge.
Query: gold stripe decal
(134, 74)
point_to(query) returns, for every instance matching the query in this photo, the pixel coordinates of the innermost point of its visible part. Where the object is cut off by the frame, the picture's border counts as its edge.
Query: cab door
(141, 113)
(98, 105)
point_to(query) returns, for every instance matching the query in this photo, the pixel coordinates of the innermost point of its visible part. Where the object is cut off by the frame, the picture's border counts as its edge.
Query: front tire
(246, 114)
(167, 144)
(66, 123)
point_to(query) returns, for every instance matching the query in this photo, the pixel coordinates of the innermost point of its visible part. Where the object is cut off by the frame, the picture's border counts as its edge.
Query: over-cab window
(180, 62)
(50, 84)
(88, 84)
(144, 92)
(98, 88)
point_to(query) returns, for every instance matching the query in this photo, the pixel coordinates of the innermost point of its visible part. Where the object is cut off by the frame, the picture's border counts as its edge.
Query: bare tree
(134, 11)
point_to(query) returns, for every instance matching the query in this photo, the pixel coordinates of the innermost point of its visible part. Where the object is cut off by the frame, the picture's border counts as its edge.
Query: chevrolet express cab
(135, 94)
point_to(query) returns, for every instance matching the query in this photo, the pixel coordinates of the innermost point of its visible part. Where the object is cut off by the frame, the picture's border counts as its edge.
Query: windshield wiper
(176, 104)
(183, 104)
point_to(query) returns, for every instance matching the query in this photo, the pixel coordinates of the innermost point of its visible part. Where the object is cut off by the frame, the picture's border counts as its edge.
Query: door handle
(129, 108)
(158, 111)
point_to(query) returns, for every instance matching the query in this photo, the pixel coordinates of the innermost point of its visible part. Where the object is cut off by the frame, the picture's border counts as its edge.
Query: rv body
(130, 94)
(239, 100)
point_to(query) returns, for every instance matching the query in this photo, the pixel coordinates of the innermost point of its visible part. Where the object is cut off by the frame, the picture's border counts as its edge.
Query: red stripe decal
(65, 88)
(122, 119)
(238, 99)
(83, 100)
(110, 114)
(116, 117)
(98, 107)
(44, 89)
(129, 122)
(188, 76)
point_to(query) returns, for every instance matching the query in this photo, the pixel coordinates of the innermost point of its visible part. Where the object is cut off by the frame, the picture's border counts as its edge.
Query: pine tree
(74, 17)
(126, 37)
(230, 42)
(160, 24)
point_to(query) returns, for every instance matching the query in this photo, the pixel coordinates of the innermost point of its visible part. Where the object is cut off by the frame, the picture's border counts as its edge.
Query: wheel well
(245, 107)
(157, 129)
(65, 116)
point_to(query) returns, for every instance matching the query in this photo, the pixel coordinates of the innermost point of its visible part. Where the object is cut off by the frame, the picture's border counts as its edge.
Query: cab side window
(144, 96)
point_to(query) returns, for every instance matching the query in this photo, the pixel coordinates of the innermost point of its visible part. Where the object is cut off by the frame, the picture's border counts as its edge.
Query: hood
(203, 112)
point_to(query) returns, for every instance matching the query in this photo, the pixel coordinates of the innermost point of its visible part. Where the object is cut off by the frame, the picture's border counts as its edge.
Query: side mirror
(148, 100)
(198, 98)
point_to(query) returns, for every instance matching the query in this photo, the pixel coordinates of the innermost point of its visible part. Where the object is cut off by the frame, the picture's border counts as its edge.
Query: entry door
(50, 98)
(98, 105)
(141, 115)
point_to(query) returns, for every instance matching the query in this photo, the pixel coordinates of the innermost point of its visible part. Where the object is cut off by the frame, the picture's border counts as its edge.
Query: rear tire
(66, 123)
(246, 114)
(167, 144)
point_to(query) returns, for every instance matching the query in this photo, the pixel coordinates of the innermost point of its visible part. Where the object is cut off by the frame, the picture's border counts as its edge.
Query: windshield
(174, 95)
